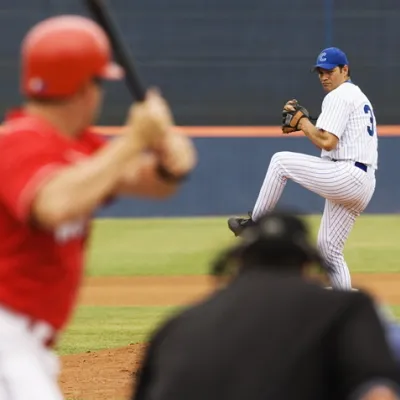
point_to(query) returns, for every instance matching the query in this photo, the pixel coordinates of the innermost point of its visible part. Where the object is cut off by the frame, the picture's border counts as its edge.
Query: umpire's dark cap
(278, 235)
(279, 231)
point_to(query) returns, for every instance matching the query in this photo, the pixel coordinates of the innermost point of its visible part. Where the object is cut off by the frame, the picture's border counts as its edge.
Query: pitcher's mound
(101, 375)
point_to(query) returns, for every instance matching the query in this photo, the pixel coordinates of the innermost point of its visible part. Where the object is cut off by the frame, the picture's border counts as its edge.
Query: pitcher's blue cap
(330, 58)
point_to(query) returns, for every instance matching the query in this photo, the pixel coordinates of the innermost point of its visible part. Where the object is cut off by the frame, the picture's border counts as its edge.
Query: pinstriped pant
(346, 188)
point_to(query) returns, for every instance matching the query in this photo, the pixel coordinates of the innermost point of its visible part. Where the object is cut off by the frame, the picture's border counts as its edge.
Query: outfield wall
(232, 167)
(231, 62)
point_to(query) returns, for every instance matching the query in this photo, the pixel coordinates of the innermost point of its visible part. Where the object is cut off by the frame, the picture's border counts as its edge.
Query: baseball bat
(102, 15)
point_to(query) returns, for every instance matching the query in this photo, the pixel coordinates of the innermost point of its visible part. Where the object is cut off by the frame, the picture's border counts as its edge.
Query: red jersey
(40, 270)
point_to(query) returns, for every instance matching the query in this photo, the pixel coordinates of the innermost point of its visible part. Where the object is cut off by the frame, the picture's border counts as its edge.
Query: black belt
(357, 164)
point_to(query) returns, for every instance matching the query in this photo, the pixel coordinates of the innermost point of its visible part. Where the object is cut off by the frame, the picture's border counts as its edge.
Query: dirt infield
(108, 374)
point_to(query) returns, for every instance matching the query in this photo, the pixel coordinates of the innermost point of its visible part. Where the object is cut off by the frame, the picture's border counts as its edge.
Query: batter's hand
(177, 155)
(292, 113)
(149, 121)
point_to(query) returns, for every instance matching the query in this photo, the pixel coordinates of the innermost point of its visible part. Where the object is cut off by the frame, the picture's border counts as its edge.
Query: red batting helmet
(62, 53)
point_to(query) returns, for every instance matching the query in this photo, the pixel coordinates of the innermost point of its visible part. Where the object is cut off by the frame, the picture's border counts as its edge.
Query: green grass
(96, 328)
(155, 247)
(186, 246)
(396, 311)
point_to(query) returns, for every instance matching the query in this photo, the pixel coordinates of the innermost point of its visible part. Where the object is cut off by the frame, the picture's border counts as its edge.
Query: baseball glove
(291, 119)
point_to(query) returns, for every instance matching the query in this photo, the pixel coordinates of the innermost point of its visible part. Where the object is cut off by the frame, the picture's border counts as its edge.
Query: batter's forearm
(75, 191)
(177, 156)
(320, 138)
(140, 178)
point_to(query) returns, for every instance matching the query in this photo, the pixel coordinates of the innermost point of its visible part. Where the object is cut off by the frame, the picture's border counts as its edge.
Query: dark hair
(280, 257)
(56, 100)
(341, 67)
(50, 101)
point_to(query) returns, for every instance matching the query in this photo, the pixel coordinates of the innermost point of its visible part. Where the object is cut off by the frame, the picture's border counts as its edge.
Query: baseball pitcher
(344, 174)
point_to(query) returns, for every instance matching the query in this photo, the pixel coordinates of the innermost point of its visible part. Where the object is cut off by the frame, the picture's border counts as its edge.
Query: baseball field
(140, 271)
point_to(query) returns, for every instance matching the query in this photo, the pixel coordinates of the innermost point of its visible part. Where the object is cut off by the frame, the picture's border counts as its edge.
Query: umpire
(270, 332)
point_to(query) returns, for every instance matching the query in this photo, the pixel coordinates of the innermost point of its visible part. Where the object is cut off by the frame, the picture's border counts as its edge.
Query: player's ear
(87, 87)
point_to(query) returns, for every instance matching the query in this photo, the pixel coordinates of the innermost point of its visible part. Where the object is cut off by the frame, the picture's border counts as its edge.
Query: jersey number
(370, 129)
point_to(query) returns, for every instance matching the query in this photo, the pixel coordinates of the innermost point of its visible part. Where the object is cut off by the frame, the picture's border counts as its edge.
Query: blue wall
(231, 171)
(232, 62)
(235, 62)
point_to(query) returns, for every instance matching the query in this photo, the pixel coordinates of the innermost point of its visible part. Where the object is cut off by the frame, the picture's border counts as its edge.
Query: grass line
(187, 246)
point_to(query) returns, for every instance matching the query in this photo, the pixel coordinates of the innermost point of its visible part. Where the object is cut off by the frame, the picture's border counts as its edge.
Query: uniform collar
(19, 115)
(15, 113)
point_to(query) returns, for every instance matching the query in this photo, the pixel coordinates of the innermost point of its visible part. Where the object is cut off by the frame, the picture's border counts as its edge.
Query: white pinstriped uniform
(348, 114)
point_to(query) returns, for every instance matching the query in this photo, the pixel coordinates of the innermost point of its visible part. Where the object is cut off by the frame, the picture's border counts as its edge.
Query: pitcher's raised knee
(281, 157)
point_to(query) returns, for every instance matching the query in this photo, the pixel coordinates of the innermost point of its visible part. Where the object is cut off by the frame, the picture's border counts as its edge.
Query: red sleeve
(96, 140)
(27, 160)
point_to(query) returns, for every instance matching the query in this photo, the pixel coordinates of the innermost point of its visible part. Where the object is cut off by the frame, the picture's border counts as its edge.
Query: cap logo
(36, 85)
(322, 57)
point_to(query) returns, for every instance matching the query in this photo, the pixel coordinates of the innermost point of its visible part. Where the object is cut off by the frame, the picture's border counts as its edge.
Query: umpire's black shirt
(268, 336)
